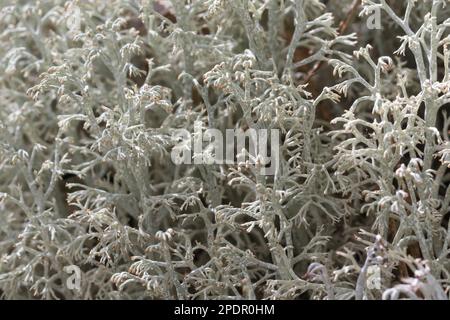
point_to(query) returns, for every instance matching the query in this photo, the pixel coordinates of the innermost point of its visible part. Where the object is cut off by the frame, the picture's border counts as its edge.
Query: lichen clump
(91, 96)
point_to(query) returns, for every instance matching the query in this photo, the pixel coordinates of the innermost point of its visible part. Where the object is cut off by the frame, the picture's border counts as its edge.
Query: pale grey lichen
(92, 92)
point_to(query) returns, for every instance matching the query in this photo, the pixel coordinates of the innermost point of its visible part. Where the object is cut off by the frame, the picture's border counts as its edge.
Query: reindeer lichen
(93, 95)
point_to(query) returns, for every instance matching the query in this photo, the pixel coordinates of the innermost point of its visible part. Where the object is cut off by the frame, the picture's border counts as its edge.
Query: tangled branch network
(356, 202)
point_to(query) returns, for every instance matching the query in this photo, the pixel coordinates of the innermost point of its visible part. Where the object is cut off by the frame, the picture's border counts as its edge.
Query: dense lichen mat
(213, 149)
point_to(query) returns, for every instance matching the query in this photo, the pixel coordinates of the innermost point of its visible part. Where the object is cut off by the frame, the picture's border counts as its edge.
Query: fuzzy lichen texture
(96, 97)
